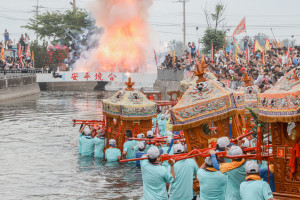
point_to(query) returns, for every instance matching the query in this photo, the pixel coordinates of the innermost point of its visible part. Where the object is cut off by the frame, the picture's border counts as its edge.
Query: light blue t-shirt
(255, 190)
(87, 146)
(100, 143)
(162, 125)
(166, 148)
(128, 148)
(155, 178)
(112, 154)
(235, 178)
(79, 143)
(212, 185)
(182, 187)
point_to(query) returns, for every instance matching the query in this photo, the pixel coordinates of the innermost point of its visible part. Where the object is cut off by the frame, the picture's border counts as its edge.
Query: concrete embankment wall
(12, 88)
(168, 80)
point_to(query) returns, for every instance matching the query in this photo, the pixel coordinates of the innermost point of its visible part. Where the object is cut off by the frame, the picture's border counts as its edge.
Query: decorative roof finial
(247, 80)
(129, 85)
(201, 71)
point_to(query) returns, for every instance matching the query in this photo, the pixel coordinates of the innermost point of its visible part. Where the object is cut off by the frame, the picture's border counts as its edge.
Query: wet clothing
(182, 187)
(112, 154)
(212, 184)
(79, 143)
(166, 148)
(162, 125)
(139, 154)
(100, 143)
(235, 177)
(128, 148)
(155, 178)
(255, 190)
(264, 175)
(87, 146)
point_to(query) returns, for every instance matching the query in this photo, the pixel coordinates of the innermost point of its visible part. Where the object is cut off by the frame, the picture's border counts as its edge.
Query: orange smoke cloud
(125, 43)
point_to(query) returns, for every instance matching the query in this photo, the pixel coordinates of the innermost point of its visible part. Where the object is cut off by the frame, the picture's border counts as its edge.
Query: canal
(39, 152)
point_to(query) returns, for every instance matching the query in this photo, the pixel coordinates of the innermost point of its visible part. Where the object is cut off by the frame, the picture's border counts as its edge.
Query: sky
(166, 17)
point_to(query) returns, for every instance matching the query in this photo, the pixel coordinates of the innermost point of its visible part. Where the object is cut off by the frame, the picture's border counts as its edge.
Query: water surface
(39, 152)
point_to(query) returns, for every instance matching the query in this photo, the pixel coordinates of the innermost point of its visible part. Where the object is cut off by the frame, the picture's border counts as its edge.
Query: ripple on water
(39, 152)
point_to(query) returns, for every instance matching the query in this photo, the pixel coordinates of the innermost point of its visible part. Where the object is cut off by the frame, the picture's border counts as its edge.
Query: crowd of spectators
(15, 58)
(266, 68)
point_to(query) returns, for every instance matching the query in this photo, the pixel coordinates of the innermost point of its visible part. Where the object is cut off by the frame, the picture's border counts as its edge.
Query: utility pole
(184, 30)
(37, 14)
(74, 6)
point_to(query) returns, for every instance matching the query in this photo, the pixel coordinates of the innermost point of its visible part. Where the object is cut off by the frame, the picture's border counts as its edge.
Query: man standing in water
(113, 153)
(128, 151)
(86, 143)
(100, 143)
(182, 187)
(156, 176)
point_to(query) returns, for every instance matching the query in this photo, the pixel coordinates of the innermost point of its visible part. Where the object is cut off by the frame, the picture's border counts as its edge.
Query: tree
(216, 38)
(40, 54)
(59, 27)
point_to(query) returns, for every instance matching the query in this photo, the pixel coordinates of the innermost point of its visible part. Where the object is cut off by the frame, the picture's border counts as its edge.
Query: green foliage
(40, 53)
(217, 38)
(56, 25)
(264, 125)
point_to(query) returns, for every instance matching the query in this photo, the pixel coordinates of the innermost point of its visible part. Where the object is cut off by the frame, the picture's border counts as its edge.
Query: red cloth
(295, 153)
(243, 69)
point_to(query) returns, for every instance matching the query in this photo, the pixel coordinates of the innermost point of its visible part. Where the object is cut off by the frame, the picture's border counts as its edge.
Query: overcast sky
(166, 16)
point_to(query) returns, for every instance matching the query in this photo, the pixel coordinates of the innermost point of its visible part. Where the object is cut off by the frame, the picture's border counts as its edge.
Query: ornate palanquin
(250, 92)
(204, 102)
(191, 79)
(128, 109)
(280, 106)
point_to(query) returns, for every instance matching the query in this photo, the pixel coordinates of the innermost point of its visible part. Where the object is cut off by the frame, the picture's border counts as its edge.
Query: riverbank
(16, 87)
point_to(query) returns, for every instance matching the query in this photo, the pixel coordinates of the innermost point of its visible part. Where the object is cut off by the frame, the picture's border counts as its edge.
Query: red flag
(155, 57)
(190, 57)
(248, 56)
(240, 28)
(28, 54)
(212, 53)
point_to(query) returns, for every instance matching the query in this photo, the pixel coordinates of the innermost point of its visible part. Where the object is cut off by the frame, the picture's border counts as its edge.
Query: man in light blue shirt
(155, 176)
(235, 171)
(100, 143)
(112, 154)
(212, 182)
(86, 143)
(254, 188)
(162, 125)
(140, 146)
(128, 151)
(182, 187)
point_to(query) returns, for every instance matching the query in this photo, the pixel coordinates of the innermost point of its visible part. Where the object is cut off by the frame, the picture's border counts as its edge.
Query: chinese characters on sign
(95, 76)
(74, 76)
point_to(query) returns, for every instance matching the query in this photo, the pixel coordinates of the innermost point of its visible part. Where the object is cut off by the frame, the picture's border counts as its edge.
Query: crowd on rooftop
(15, 58)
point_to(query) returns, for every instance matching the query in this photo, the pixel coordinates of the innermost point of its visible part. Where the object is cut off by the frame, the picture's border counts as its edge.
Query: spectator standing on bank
(27, 41)
(22, 42)
(6, 37)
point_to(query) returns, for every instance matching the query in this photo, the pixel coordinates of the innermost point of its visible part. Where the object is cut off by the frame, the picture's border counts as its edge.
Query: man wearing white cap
(254, 188)
(235, 171)
(128, 152)
(87, 143)
(150, 135)
(113, 153)
(140, 146)
(155, 176)
(100, 143)
(182, 187)
(162, 125)
(222, 143)
(212, 182)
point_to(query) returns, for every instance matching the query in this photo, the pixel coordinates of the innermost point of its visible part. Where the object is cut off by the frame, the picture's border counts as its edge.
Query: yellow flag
(257, 46)
(267, 44)
(202, 59)
(2, 52)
